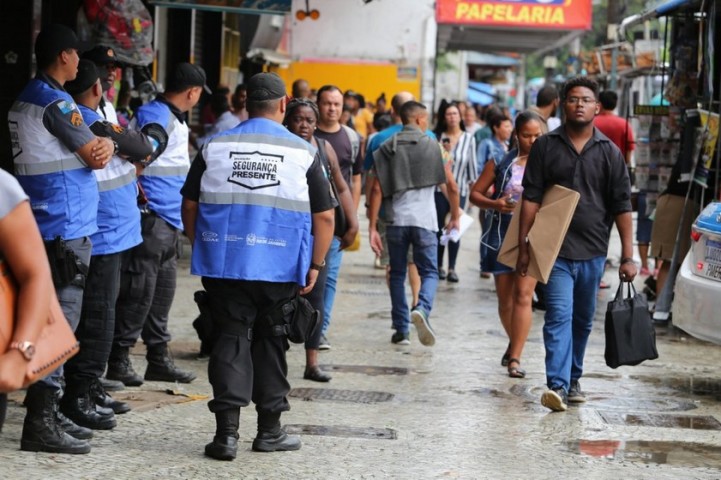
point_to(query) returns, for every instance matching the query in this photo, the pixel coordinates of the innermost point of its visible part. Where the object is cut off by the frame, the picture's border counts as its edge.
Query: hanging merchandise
(710, 127)
(124, 25)
(658, 134)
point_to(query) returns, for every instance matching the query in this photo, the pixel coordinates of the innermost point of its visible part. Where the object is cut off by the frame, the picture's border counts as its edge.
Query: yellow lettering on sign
(461, 9)
(537, 15)
(509, 13)
(486, 11)
(558, 16)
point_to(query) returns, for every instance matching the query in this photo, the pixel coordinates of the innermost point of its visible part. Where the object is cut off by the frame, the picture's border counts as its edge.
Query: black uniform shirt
(598, 173)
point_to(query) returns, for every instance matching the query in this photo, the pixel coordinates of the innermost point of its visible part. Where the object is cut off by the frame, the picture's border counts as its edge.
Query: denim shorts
(493, 239)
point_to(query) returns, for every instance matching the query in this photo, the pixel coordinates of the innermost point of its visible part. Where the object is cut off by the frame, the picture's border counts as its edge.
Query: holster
(296, 319)
(65, 266)
(203, 324)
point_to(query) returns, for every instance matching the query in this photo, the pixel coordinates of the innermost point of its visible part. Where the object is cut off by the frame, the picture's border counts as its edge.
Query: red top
(617, 130)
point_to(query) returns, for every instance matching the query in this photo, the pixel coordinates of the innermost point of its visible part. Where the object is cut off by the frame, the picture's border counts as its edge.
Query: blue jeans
(332, 265)
(570, 307)
(425, 245)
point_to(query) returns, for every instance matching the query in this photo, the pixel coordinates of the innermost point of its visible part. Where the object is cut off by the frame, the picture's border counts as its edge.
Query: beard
(578, 124)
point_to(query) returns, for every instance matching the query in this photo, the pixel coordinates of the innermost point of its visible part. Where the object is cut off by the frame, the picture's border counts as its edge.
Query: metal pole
(612, 21)
(192, 35)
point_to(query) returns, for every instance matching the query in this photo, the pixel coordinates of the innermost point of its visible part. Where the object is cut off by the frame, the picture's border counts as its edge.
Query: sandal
(506, 356)
(517, 371)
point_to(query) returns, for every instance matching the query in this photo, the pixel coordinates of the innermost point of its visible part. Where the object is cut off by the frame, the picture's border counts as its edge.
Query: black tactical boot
(120, 368)
(111, 385)
(225, 443)
(71, 428)
(78, 405)
(161, 367)
(271, 438)
(102, 399)
(41, 431)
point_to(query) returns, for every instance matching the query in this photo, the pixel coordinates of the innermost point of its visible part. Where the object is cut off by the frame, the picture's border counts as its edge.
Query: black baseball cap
(101, 55)
(86, 78)
(265, 86)
(56, 38)
(186, 75)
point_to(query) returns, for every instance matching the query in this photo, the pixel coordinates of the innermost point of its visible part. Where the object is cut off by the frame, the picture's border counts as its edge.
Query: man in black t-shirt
(348, 145)
(579, 157)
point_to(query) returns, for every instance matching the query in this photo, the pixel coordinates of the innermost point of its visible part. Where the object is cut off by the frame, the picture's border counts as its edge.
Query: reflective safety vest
(163, 179)
(108, 111)
(118, 217)
(254, 219)
(62, 189)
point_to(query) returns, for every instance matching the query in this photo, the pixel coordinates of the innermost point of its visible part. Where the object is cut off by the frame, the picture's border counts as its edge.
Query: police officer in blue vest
(107, 65)
(258, 209)
(148, 277)
(54, 154)
(118, 231)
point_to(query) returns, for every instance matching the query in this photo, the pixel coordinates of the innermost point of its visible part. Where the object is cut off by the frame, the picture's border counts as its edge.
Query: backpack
(354, 138)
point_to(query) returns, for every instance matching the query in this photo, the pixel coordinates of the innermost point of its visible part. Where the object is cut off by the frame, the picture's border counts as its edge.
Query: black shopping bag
(630, 336)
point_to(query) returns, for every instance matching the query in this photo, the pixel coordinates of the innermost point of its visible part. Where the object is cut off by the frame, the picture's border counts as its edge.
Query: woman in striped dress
(462, 147)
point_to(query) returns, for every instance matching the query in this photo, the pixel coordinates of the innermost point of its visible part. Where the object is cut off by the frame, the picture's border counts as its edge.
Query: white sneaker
(425, 333)
(324, 344)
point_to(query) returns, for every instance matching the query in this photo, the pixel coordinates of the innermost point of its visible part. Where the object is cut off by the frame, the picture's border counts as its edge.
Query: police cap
(265, 86)
(86, 78)
(186, 75)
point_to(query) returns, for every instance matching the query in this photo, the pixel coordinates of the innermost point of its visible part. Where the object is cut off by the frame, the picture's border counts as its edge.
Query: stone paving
(415, 412)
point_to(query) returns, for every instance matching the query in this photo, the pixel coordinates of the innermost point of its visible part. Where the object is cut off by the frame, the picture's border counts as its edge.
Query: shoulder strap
(354, 140)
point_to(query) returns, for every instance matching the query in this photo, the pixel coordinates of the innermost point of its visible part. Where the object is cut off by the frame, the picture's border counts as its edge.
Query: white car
(697, 294)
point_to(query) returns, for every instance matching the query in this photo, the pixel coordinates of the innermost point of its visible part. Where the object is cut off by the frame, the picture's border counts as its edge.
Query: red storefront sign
(537, 14)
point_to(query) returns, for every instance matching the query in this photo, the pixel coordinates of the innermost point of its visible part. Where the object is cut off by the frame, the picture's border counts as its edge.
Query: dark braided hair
(295, 104)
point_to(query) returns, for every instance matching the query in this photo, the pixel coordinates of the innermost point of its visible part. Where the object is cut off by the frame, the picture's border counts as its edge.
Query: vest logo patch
(66, 107)
(252, 240)
(15, 138)
(255, 170)
(209, 236)
(76, 119)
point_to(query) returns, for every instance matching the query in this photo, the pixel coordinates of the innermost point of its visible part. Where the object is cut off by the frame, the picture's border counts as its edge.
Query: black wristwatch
(625, 260)
(315, 266)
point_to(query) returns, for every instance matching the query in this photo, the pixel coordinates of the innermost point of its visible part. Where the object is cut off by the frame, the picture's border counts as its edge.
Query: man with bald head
(301, 89)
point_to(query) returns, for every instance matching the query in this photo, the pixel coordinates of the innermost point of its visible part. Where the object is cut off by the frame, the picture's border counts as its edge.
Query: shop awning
(481, 93)
(534, 26)
(668, 8)
(253, 7)
(490, 60)
(266, 55)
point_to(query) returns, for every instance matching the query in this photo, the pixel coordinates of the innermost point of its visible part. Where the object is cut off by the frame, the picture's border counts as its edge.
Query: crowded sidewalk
(414, 412)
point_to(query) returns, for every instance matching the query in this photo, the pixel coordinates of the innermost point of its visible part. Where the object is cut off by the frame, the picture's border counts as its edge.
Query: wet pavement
(449, 411)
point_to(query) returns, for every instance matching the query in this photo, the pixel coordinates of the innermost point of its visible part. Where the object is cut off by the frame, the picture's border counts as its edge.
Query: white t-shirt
(11, 193)
(415, 208)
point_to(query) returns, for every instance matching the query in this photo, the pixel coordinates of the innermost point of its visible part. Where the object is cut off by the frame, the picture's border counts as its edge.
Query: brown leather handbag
(56, 342)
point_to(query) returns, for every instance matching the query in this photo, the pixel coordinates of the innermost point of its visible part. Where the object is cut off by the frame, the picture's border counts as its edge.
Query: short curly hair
(580, 81)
